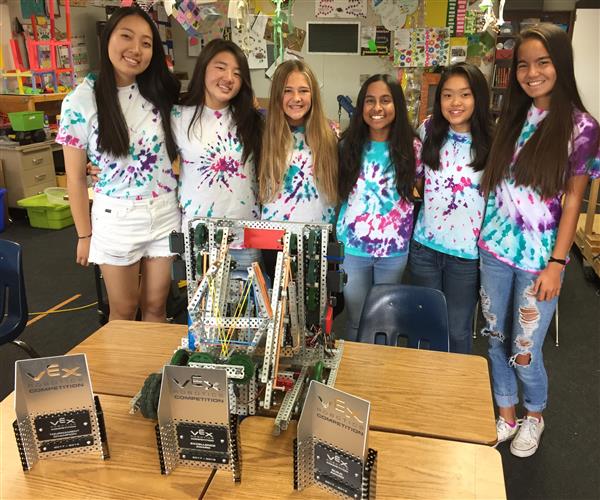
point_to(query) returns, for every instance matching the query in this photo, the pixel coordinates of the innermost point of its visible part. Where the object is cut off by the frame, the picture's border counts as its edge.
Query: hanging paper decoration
(341, 8)
(199, 20)
(394, 12)
(421, 47)
(254, 46)
(277, 30)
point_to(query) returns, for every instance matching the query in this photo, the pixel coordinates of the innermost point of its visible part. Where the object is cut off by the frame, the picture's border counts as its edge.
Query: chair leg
(475, 320)
(27, 348)
(556, 326)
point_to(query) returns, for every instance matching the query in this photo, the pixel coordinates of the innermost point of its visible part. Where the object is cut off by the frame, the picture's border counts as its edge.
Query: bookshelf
(516, 20)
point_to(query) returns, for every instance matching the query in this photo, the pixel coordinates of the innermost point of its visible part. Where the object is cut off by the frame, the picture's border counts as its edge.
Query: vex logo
(55, 370)
(201, 433)
(337, 461)
(63, 421)
(197, 381)
(338, 405)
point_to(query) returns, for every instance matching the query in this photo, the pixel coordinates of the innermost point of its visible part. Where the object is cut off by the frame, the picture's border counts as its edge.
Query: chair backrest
(13, 301)
(416, 313)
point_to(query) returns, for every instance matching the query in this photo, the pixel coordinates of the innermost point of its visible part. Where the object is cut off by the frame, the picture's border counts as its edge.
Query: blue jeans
(363, 273)
(516, 323)
(458, 279)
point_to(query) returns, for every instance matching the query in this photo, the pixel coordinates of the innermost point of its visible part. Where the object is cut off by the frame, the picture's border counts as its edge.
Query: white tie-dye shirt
(452, 212)
(213, 181)
(299, 199)
(520, 226)
(375, 221)
(146, 171)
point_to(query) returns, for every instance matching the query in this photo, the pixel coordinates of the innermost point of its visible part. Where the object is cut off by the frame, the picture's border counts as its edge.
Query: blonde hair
(277, 139)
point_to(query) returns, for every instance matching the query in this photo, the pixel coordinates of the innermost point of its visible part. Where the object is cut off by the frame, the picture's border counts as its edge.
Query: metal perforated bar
(289, 402)
(323, 280)
(268, 359)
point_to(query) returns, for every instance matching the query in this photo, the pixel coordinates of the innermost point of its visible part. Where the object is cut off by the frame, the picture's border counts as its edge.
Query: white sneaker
(504, 430)
(527, 440)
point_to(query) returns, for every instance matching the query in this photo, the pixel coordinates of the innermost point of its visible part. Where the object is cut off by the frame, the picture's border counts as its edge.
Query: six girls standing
(456, 142)
(299, 162)
(121, 121)
(218, 132)
(546, 145)
(379, 167)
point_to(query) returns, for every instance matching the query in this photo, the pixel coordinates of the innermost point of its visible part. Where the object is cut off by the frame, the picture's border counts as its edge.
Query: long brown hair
(277, 139)
(543, 161)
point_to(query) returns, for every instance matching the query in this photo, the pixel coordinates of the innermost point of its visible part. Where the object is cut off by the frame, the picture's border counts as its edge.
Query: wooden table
(411, 391)
(407, 467)
(421, 392)
(132, 472)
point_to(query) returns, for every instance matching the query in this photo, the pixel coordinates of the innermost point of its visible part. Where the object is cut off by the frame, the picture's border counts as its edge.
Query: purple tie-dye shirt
(299, 199)
(375, 221)
(450, 218)
(214, 182)
(520, 226)
(146, 172)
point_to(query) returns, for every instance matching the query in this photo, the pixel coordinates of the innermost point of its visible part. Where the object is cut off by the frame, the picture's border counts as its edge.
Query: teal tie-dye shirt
(375, 221)
(520, 226)
(146, 171)
(452, 212)
(299, 199)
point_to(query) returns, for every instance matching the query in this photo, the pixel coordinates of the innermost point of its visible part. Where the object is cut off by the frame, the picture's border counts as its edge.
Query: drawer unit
(28, 170)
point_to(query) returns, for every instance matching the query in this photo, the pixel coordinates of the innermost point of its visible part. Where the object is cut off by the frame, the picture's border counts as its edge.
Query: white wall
(586, 48)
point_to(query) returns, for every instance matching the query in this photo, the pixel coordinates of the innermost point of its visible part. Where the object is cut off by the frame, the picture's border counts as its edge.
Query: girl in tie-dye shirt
(218, 133)
(379, 167)
(456, 141)
(543, 155)
(121, 122)
(298, 169)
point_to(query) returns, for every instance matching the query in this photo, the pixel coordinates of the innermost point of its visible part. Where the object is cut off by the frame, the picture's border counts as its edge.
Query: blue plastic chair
(416, 313)
(13, 301)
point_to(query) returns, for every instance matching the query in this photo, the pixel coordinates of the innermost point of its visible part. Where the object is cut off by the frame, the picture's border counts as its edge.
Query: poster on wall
(341, 8)
(393, 13)
(207, 19)
(375, 41)
(252, 44)
(293, 41)
(421, 47)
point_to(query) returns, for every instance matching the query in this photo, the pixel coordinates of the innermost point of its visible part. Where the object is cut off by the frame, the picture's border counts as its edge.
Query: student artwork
(480, 52)
(393, 13)
(253, 45)
(33, 8)
(421, 48)
(457, 10)
(293, 41)
(200, 19)
(341, 8)
(375, 41)
(458, 49)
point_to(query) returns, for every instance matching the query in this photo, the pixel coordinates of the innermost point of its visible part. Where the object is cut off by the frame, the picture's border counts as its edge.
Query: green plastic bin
(44, 215)
(25, 121)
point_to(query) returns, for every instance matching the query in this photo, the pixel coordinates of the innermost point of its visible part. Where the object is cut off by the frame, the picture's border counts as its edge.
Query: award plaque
(194, 426)
(57, 414)
(331, 446)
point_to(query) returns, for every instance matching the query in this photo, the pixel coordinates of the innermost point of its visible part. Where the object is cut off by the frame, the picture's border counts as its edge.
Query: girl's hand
(83, 251)
(547, 286)
(93, 171)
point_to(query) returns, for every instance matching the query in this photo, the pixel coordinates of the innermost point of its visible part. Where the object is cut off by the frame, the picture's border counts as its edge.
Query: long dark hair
(400, 140)
(543, 161)
(156, 84)
(481, 125)
(247, 119)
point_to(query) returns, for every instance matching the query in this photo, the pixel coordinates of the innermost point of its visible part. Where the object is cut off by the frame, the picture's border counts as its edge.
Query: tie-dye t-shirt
(520, 226)
(375, 221)
(299, 199)
(146, 171)
(213, 181)
(453, 206)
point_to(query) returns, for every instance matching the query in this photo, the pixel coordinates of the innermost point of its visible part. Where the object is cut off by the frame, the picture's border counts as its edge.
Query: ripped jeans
(516, 323)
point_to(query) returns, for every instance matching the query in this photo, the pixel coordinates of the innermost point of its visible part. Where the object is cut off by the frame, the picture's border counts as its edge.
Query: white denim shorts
(125, 231)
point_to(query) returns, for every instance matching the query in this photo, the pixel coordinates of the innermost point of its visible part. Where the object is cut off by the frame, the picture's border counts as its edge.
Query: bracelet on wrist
(84, 237)
(558, 261)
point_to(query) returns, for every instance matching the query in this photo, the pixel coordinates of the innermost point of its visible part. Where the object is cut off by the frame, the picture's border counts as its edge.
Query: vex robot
(272, 334)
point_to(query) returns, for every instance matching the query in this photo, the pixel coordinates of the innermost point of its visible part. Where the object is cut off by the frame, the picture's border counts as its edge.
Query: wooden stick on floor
(54, 308)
